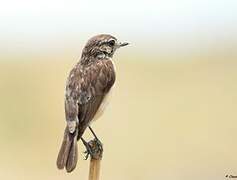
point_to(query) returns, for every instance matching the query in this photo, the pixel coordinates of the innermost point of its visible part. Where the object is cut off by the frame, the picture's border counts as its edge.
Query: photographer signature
(230, 176)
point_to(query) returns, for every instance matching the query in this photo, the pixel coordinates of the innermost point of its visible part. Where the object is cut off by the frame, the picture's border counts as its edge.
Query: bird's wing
(85, 91)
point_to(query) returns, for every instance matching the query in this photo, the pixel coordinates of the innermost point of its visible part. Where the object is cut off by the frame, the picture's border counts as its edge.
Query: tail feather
(68, 154)
(72, 156)
(63, 151)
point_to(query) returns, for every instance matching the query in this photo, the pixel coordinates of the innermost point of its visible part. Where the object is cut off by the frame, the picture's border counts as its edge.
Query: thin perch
(96, 157)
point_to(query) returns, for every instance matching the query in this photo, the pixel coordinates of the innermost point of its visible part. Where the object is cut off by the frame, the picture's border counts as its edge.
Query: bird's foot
(94, 148)
(88, 151)
(98, 144)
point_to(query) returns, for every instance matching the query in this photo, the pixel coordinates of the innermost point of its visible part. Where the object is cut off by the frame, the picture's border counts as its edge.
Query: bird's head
(101, 46)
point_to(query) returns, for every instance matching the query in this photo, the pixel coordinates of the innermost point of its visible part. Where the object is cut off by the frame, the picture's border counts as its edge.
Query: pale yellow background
(174, 108)
(172, 120)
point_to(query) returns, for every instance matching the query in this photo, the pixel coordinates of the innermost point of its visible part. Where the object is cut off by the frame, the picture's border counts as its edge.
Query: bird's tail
(68, 153)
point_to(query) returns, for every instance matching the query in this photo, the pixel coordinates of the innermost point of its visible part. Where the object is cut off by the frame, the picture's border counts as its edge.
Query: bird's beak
(123, 44)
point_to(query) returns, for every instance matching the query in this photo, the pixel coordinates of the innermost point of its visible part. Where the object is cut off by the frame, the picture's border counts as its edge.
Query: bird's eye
(111, 42)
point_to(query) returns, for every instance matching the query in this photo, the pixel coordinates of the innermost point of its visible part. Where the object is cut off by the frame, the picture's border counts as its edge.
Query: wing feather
(85, 91)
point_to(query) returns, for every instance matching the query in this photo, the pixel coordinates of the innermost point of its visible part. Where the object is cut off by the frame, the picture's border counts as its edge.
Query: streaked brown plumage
(88, 84)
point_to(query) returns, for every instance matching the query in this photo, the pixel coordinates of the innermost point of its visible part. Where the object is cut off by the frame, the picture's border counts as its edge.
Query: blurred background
(173, 114)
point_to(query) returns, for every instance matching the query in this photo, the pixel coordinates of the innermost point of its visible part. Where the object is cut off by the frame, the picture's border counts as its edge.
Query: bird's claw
(87, 155)
(88, 151)
(99, 144)
(94, 148)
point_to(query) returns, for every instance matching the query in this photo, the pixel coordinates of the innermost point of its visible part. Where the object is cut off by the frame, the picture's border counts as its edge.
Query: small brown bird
(87, 90)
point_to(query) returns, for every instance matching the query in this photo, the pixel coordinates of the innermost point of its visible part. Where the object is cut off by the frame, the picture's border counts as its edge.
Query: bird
(88, 89)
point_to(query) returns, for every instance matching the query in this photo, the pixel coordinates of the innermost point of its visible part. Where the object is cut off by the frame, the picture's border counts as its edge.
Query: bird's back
(90, 84)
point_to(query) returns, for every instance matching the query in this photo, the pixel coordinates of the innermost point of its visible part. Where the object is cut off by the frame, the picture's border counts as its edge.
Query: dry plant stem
(96, 158)
(94, 169)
